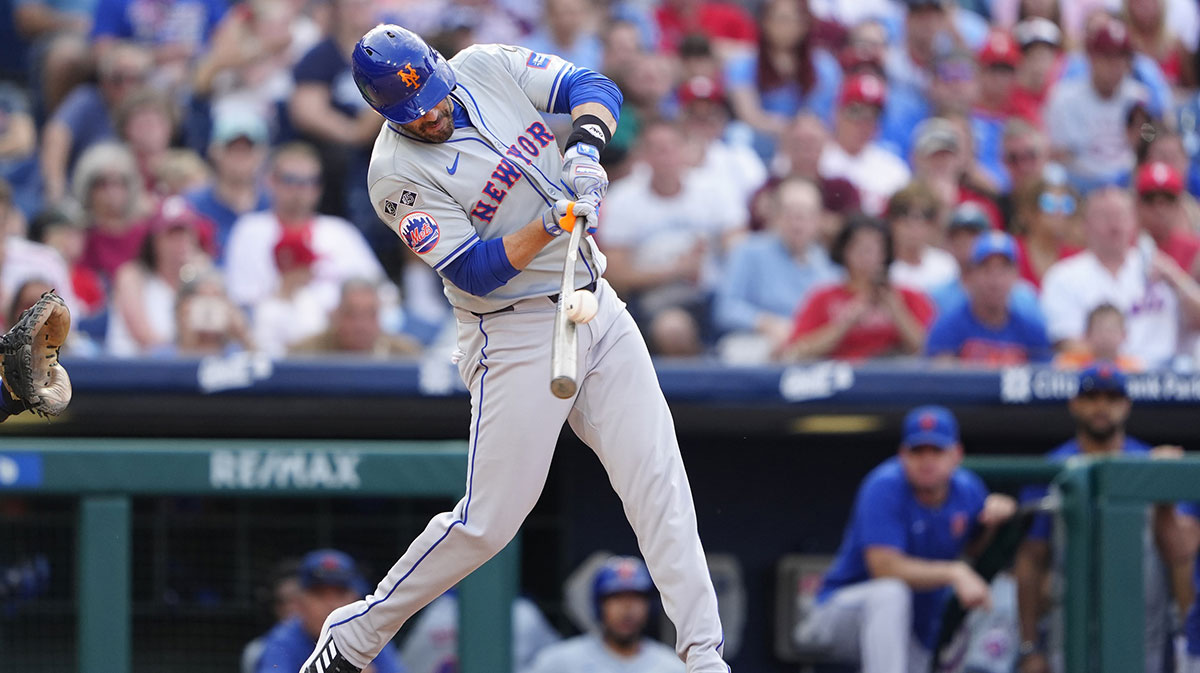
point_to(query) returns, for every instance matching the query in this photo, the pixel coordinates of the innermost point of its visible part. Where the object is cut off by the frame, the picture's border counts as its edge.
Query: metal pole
(1074, 484)
(485, 613)
(104, 621)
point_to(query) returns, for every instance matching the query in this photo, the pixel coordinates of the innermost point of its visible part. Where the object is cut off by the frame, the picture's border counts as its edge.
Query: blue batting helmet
(399, 75)
(618, 575)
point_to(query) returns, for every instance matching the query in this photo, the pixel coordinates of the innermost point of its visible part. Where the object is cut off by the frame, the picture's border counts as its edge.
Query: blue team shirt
(158, 22)
(288, 645)
(1040, 528)
(789, 99)
(764, 277)
(959, 333)
(886, 513)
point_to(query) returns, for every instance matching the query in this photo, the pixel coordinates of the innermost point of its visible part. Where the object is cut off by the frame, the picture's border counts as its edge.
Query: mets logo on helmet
(410, 76)
(419, 231)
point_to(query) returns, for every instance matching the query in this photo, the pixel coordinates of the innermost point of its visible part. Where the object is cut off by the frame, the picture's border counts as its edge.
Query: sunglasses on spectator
(1020, 157)
(860, 111)
(927, 214)
(1056, 204)
(294, 180)
(1150, 198)
(108, 180)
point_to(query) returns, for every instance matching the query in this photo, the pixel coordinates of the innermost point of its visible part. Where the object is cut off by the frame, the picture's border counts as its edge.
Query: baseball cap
(1037, 30)
(294, 251)
(971, 216)
(1110, 37)
(935, 135)
(701, 88)
(329, 568)
(864, 88)
(999, 49)
(232, 125)
(1102, 377)
(931, 425)
(994, 243)
(1157, 176)
(175, 213)
(839, 195)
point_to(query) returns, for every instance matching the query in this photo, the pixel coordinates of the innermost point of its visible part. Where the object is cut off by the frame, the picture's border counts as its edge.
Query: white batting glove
(582, 172)
(585, 208)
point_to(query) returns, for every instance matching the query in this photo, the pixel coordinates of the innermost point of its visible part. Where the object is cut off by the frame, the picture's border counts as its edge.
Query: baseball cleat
(328, 660)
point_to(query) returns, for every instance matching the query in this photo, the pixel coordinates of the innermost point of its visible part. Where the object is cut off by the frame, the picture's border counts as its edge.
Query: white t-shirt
(432, 644)
(342, 254)
(280, 323)
(937, 268)
(735, 164)
(1092, 129)
(876, 172)
(1073, 287)
(158, 303)
(588, 654)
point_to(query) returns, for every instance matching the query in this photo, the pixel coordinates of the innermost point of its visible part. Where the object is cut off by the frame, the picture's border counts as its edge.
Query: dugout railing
(106, 474)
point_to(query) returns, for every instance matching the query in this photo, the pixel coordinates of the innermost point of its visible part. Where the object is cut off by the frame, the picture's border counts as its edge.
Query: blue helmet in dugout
(400, 76)
(618, 575)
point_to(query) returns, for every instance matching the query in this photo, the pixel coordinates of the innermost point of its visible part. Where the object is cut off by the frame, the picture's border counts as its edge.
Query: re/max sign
(284, 469)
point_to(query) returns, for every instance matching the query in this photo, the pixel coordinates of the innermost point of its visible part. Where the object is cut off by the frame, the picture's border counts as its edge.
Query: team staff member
(913, 518)
(1100, 409)
(467, 174)
(621, 593)
(328, 579)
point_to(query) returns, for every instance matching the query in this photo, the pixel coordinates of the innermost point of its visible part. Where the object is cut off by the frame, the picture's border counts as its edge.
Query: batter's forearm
(524, 244)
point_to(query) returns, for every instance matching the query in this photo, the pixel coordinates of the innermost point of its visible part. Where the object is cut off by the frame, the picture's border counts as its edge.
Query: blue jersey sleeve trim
(586, 86)
(456, 252)
(481, 268)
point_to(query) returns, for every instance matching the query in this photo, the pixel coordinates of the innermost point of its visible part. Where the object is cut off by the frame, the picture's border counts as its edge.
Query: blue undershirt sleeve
(481, 269)
(582, 85)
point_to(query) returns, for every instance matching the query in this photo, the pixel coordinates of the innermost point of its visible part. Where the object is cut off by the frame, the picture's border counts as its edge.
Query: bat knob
(567, 223)
(563, 387)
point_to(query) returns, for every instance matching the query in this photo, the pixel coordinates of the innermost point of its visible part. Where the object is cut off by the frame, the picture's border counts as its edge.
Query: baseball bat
(563, 347)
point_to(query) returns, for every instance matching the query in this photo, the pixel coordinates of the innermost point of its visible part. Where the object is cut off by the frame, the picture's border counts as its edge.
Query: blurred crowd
(989, 182)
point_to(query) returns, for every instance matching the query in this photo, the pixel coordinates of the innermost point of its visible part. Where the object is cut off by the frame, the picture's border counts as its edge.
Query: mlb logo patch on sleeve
(419, 231)
(389, 206)
(539, 61)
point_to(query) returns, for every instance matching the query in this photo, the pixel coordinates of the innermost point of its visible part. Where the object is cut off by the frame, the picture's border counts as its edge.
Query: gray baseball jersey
(487, 180)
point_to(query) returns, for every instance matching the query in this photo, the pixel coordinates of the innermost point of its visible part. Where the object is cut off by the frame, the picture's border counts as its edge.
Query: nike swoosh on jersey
(453, 168)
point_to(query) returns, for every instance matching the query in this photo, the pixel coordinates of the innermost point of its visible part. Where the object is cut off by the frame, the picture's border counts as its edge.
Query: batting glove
(582, 172)
(587, 208)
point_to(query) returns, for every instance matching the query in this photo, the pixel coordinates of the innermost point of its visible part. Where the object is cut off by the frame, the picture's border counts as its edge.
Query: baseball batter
(469, 176)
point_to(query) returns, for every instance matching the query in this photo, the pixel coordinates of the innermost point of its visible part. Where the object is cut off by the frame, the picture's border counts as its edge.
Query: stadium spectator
(294, 184)
(1024, 151)
(145, 288)
(665, 231)
(621, 592)
(568, 29)
(1041, 46)
(914, 217)
(284, 599)
(704, 118)
(206, 321)
(865, 49)
(985, 330)
(854, 154)
(913, 519)
(647, 90)
(1044, 221)
(355, 328)
(327, 110)
(18, 149)
(943, 161)
(176, 32)
(1160, 214)
(968, 223)
(1146, 284)
(107, 185)
(431, 645)
(64, 231)
(728, 26)
(787, 74)
(1085, 116)
(1103, 341)
(329, 579)
(928, 31)
(953, 90)
(1167, 146)
(56, 32)
(866, 316)
(22, 260)
(771, 273)
(293, 313)
(1100, 410)
(1150, 34)
(181, 171)
(145, 123)
(997, 103)
(238, 150)
(86, 115)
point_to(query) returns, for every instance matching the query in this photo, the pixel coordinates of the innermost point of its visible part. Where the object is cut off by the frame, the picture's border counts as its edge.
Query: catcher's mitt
(29, 352)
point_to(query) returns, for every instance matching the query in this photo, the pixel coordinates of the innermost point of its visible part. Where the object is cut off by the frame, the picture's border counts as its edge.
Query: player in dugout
(621, 594)
(914, 517)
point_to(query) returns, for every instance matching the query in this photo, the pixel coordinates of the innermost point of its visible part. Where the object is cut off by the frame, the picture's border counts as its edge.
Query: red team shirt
(875, 335)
